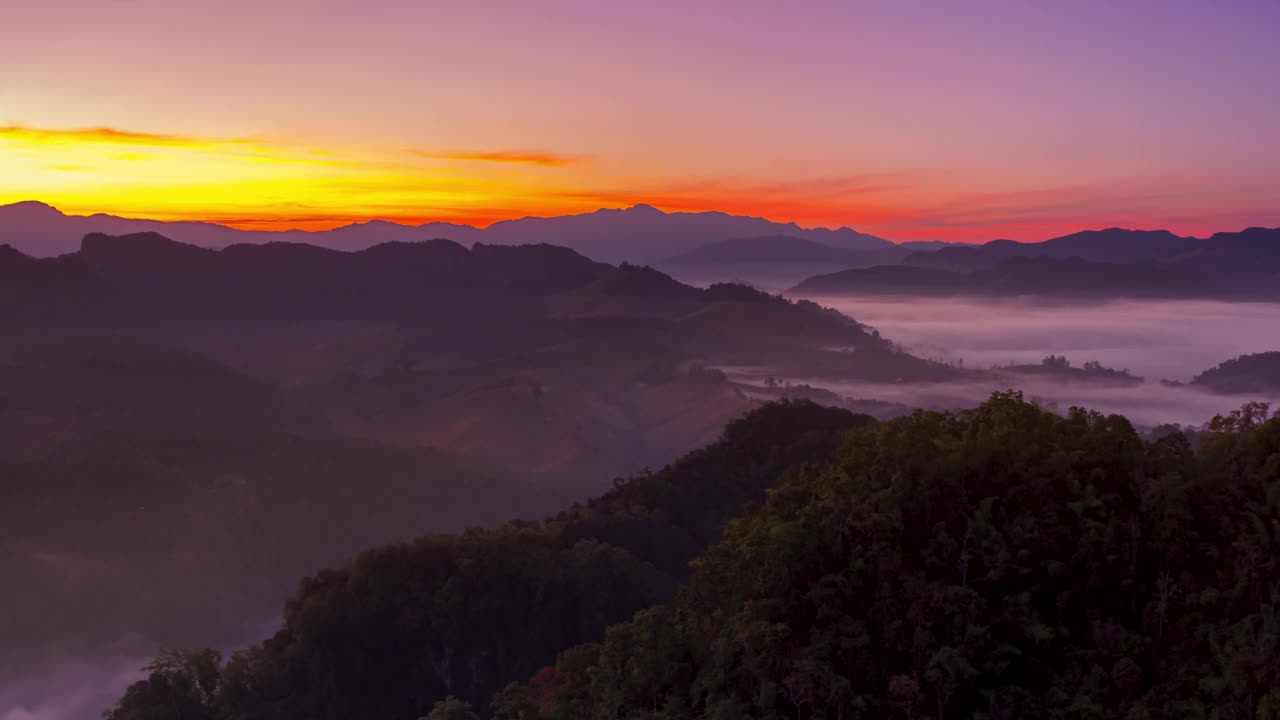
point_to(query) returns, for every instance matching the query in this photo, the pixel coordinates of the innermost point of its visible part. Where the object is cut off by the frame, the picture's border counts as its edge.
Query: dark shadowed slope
(1113, 245)
(1256, 373)
(412, 623)
(1058, 368)
(775, 261)
(771, 248)
(446, 301)
(1043, 586)
(638, 234)
(1070, 566)
(1247, 262)
(1042, 276)
(206, 425)
(1242, 264)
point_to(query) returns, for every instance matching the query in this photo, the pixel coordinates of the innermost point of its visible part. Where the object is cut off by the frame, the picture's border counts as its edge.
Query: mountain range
(1098, 264)
(210, 424)
(779, 261)
(639, 234)
(709, 247)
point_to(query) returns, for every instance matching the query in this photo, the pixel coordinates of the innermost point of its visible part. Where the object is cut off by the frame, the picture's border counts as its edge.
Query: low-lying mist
(1157, 340)
(70, 682)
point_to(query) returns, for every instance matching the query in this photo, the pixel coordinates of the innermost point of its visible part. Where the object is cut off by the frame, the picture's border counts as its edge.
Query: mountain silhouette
(1109, 245)
(777, 261)
(514, 297)
(641, 233)
(1255, 373)
(1095, 263)
(1033, 276)
(770, 248)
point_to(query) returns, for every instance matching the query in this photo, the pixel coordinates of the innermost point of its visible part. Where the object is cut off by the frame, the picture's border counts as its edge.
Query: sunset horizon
(911, 122)
(314, 225)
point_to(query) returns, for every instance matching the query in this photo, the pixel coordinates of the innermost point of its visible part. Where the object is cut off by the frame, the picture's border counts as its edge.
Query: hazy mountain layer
(184, 431)
(637, 234)
(1112, 263)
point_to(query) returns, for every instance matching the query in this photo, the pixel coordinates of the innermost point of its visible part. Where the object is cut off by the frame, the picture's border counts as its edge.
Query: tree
(514, 702)
(451, 708)
(180, 685)
(1000, 562)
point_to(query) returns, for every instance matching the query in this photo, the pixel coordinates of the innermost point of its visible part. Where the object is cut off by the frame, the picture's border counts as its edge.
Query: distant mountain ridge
(705, 248)
(151, 264)
(1255, 373)
(149, 278)
(1096, 264)
(640, 233)
(768, 248)
(778, 261)
(1045, 276)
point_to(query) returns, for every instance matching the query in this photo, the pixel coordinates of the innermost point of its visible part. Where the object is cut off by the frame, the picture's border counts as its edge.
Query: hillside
(774, 261)
(428, 344)
(1059, 368)
(443, 300)
(772, 248)
(1016, 276)
(1119, 263)
(1069, 565)
(453, 603)
(210, 424)
(1257, 373)
(1114, 245)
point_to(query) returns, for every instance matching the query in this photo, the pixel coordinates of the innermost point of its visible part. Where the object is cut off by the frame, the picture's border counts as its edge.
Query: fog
(78, 680)
(1158, 340)
(66, 683)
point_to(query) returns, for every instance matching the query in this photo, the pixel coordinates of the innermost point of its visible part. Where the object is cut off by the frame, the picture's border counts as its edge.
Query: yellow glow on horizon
(257, 183)
(265, 184)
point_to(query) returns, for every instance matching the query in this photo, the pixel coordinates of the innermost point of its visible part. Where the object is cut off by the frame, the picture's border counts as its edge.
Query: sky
(912, 120)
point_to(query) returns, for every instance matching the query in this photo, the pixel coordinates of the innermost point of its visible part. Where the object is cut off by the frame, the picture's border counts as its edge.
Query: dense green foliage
(998, 563)
(408, 625)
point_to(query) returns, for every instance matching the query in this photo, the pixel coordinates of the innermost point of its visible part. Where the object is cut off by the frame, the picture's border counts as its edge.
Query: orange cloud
(108, 135)
(521, 157)
(267, 184)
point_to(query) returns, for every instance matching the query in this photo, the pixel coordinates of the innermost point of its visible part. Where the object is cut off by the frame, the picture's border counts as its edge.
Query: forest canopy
(1000, 562)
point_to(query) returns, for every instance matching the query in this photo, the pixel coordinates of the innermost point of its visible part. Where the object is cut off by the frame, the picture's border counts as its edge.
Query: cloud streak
(262, 182)
(513, 157)
(112, 136)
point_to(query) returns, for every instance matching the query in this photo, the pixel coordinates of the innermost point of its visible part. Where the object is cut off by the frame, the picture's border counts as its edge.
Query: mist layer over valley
(185, 432)
(1166, 343)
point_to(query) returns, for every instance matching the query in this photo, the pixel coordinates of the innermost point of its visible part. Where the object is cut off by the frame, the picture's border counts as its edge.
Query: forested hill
(1259, 372)
(406, 625)
(1004, 562)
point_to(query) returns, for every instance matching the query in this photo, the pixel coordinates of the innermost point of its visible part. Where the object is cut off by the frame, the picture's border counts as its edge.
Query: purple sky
(914, 120)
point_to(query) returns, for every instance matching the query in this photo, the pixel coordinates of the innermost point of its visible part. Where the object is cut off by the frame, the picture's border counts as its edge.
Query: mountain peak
(144, 247)
(644, 209)
(32, 209)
